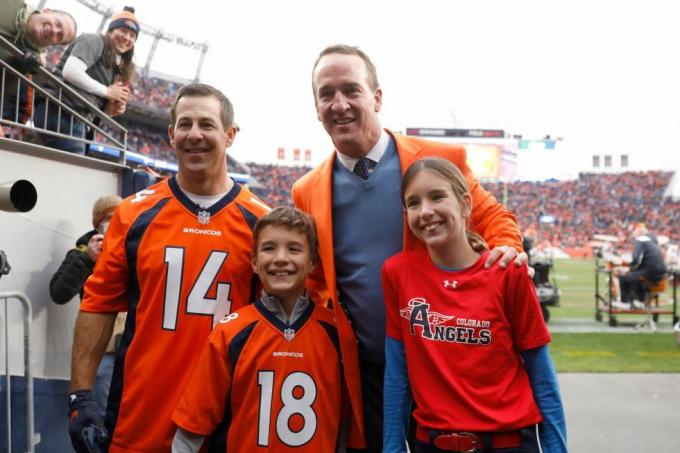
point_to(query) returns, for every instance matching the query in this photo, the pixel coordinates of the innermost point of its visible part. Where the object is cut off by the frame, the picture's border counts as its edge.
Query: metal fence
(31, 437)
(19, 91)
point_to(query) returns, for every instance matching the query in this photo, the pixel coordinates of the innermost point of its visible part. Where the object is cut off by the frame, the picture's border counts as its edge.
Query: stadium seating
(593, 203)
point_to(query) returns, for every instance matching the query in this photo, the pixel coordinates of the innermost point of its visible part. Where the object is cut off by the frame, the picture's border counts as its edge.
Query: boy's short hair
(293, 219)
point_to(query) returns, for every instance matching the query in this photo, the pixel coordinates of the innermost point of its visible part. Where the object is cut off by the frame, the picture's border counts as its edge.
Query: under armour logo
(450, 284)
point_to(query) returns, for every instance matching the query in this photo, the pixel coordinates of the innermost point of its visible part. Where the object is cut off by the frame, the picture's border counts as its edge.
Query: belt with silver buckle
(468, 442)
(461, 442)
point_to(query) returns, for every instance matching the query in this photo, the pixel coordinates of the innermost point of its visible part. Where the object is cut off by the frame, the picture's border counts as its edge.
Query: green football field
(610, 351)
(576, 280)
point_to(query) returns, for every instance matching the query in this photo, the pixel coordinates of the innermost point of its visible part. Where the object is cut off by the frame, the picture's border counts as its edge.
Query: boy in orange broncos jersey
(274, 368)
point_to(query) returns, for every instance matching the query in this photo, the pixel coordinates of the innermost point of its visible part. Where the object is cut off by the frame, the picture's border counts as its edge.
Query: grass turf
(576, 280)
(605, 352)
(615, 353)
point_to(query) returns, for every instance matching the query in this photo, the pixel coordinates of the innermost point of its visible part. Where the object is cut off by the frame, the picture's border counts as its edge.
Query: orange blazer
(313, 194)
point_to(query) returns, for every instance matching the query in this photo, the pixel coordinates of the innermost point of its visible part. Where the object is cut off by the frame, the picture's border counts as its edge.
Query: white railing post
(31, 437)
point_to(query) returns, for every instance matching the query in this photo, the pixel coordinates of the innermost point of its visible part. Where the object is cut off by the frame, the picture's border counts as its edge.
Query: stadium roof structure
(158, 34)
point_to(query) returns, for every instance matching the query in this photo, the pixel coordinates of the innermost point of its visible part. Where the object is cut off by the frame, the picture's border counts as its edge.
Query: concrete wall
(36, 243)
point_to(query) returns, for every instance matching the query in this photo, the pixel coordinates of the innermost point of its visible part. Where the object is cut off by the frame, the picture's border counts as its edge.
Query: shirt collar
(374, 154)
(273, 304)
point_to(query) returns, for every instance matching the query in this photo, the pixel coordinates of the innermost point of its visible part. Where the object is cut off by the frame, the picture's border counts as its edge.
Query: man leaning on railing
(31, 31)
(99, 68)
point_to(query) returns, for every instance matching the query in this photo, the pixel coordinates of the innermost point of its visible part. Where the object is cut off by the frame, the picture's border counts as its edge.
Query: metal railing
(93, 118)
(31, 437)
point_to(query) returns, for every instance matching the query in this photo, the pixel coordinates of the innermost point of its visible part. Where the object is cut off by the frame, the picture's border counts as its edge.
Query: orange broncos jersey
(177, 270)
(281, 387)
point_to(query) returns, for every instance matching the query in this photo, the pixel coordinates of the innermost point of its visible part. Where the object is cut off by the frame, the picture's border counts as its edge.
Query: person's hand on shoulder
(504, 255)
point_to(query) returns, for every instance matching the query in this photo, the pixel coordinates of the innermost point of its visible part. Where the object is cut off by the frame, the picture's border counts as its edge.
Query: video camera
(15, 196)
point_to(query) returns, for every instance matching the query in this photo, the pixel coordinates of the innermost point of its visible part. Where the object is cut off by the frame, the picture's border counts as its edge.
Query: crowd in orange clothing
(153, 92)
(275, 181)
(593, 204)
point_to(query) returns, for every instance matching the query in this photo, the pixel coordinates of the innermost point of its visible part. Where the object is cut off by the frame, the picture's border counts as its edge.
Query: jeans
(9, 104)
(64, 124)
(102, 382)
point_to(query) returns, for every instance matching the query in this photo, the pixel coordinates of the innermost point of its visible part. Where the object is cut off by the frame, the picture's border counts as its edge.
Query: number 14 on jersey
(197, 302)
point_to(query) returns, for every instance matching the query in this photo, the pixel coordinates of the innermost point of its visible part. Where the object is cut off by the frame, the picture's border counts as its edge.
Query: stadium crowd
(275, 181)
(592, 204)
(577, 209)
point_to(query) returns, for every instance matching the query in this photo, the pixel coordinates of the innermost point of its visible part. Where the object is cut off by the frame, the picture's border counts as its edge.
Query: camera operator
(647, 266)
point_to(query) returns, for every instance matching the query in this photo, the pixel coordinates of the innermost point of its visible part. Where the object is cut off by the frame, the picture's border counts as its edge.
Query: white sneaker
(621, 305)
(639, 305)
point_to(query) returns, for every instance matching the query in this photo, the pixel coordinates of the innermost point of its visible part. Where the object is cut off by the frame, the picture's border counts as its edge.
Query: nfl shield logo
(203, 217)
(289, 334)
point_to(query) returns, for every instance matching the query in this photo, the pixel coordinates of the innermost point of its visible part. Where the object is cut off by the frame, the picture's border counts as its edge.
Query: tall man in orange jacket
(354, 198)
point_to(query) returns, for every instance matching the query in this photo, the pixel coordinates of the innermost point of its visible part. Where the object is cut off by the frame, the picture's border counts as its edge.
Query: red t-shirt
(177, 273)
(281, 386)
(462, 332)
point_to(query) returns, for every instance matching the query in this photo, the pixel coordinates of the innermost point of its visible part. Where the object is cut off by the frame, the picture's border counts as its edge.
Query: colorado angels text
(431, 325)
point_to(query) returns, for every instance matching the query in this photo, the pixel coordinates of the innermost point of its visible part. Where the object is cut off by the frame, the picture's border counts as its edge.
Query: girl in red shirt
(467, 342)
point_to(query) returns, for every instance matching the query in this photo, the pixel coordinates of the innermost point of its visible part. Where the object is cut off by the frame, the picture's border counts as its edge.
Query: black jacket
(73, 271)
(648, 257)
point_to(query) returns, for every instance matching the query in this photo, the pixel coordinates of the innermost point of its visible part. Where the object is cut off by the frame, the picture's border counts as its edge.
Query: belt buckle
(473, 441)
(450, 441)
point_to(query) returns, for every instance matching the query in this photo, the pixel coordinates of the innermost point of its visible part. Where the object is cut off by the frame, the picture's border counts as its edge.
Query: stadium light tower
(156, 38)
(204, 51)
(107, 11)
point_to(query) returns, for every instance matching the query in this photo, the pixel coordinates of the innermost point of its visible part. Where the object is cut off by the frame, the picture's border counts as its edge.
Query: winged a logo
(433, 317)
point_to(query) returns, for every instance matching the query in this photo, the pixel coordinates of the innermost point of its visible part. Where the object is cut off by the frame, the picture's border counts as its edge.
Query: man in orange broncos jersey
(274, 367)
(176, 257)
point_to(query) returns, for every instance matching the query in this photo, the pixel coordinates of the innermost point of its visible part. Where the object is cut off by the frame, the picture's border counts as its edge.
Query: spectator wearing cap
(28, 28)
(70, 278)
(100, 69)
(31, 31)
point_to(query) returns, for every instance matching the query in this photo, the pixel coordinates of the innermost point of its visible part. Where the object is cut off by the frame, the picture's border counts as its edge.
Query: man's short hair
(292, 219)
(203, 90)
(67, 15)
(343, 49)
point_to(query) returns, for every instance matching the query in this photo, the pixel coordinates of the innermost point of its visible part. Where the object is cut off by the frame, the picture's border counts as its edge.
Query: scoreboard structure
(491, 153)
